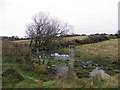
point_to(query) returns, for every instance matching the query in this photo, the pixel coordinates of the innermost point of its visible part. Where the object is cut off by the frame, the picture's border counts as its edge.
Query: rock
(56, 72)
(62, 57)
(62, 70)
(99, 72)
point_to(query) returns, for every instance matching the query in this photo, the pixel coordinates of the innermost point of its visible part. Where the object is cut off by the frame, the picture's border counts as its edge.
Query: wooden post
(72, 56)
(70, 73)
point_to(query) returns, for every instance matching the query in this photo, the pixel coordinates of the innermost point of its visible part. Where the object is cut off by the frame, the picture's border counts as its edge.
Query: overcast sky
(86, 16)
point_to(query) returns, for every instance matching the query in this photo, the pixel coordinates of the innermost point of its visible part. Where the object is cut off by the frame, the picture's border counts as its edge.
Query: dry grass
(75, 37)
(102, 50)
(66, 38)
(97, 82)
(22, 41)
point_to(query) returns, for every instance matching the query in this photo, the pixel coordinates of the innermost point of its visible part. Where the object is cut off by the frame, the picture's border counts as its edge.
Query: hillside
(103, 53)
(66, 38)
(107, 50)
(76, 37)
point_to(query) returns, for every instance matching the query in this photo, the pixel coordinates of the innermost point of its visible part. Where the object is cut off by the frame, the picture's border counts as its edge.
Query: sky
(86, 16)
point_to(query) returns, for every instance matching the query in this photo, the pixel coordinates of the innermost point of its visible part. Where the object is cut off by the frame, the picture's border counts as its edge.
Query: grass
(107, 50)
(31, 78)
(97, 82)
(100, 52)
(34, 79)
(29, 83)
(66, 38)
(63, 51)
(58, 63)
(60, 83)
(21, 41)
(76, 37)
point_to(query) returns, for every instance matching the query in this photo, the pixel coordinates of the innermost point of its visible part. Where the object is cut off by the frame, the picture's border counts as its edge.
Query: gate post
(70, 73)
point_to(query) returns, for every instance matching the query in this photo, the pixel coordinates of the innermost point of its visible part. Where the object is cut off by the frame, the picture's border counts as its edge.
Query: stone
(99, 72)
(54, 72)
(62, 57)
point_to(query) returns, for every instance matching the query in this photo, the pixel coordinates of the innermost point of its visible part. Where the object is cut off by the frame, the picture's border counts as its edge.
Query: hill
(103, 53)
(69, 38)
(107, 50)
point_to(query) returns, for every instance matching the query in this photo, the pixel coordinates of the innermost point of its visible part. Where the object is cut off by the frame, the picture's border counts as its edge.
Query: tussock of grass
(34, 80)
(97, 82)
(29, 83)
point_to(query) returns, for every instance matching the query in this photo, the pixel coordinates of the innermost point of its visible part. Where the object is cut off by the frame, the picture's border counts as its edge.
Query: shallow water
(57, 70)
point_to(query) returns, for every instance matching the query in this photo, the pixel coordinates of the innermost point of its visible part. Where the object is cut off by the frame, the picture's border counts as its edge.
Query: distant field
(22, 41)
(67, 38)
(101, 50)
(76, 37)
(107, 50)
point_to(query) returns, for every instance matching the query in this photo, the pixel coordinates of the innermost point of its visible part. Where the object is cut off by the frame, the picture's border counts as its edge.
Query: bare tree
(44, 29)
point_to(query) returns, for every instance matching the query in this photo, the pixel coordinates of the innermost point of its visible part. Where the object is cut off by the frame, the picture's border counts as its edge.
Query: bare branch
(45, 29)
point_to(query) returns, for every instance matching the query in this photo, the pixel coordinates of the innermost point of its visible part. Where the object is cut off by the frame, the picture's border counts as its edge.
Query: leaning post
(72, 57)
(71, 73)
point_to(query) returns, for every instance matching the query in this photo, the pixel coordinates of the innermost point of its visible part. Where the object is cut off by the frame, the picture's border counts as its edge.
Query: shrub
(66, 43)
(41, 68)
(83, 73)
(17, 54)
(92, 39)
(11, 76)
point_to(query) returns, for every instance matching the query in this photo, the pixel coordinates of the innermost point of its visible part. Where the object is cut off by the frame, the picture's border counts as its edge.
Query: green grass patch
(58, 63)
(107, 50)
(29, 83)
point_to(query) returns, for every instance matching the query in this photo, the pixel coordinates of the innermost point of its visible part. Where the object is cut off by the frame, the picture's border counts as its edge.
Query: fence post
(70, 73)
(72, 56)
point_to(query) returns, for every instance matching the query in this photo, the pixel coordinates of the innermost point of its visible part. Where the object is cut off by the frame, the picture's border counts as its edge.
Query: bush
(83, 73)
(11, 76)
(41, 68)
(62, 50)
(92, 39)
(15, 53)
(66, 43)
